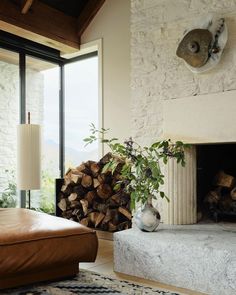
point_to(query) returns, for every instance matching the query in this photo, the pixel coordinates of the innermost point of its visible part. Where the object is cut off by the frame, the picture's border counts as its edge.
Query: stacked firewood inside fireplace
(221, 199)
(88, 196)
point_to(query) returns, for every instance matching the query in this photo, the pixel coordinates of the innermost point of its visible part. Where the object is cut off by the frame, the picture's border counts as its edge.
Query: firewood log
(112, 227)
(99, 219)
(116, 198)
(86, 181)
(213, 197)
(75, 178)
(76, 212)
(123, 225)
(84, 204)
(96, 183)
(111, 215)
(74, 204)
(93, 217)
(80, 215)
(79, 190)
(101, 207)
(103, 226)
(107, 217)
(67, 180)
(67, 214)
(225, 180)
(121, 198)
(64, 188)
(72, 197)
(233, 194)
(62, 204)
(118, 169)
(104, 191)
(68, 171)
(86, 168)
(81, 167)
(101, 178)
(84, 221)
(125, 212)
(111, 203)
(94, 167)
(90, 197)
(105, 159)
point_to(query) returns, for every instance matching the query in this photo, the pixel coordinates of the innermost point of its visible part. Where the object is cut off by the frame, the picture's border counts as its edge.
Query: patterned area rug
(87, 283)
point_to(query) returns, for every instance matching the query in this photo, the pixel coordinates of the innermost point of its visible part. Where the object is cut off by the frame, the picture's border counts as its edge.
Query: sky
(81, 102)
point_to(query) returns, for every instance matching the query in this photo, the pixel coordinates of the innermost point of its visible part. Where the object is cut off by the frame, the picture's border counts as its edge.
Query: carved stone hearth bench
(36, 247)
(200, 257)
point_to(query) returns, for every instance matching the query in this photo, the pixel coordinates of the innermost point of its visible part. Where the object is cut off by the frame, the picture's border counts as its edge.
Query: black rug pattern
(87, 283)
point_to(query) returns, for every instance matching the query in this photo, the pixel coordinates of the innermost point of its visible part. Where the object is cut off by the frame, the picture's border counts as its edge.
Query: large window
(62, 96)
(81, 109)
(9, 118)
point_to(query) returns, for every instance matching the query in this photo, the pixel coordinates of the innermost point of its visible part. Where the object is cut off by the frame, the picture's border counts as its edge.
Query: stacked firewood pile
(222, 197)
(88, 196)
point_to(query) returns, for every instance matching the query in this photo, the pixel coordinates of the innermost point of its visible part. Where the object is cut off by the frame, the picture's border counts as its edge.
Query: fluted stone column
(180, 187)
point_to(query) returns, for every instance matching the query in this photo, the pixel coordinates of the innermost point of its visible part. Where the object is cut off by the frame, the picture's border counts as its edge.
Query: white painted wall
(112, 25)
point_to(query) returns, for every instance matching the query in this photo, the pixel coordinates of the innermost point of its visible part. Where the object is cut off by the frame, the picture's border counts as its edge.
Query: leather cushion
(19, 225)
(32, 241)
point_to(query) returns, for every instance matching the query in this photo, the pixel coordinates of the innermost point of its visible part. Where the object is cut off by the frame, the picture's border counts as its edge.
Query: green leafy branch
(141, 172)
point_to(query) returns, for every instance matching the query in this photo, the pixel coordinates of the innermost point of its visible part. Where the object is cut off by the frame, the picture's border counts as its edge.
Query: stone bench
(36, 247)
(197, 257)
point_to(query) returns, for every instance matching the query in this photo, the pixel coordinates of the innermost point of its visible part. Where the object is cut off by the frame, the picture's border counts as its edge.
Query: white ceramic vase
(147, 218)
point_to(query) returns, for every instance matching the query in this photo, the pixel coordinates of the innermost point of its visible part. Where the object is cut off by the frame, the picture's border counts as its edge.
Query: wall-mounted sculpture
(202, 46)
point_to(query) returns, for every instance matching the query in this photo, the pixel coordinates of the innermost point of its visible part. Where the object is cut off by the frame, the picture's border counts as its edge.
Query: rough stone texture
(157, 73)
(9, 113)
(9, 117)
(198, 257)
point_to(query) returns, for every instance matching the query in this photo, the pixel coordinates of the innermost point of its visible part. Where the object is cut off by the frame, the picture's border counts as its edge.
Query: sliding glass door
(81, 109)
(9, 118)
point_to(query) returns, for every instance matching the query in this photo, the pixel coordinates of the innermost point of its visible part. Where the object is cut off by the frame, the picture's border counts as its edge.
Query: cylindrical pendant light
(28, 157)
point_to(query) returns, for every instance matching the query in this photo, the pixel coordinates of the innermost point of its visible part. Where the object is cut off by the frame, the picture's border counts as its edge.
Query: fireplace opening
(216, 182)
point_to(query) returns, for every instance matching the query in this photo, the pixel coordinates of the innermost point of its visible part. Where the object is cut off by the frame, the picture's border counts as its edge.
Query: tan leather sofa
(36, 247)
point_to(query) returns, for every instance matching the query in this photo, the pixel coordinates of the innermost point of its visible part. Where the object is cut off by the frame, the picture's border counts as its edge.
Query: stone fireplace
(169, 101)
(207, 122)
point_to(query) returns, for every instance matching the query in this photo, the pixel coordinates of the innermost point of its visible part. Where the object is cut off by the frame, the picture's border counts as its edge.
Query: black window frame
(25, 48)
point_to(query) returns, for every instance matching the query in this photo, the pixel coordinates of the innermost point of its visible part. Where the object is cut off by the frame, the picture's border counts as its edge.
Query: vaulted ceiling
(55, 23)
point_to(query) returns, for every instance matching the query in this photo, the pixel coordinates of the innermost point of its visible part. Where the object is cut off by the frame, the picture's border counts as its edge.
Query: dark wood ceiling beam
(41, 24)
(88, 14)
(25, 6)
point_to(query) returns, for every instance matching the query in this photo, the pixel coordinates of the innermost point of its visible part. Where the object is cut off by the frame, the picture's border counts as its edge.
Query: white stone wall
(157, 73)
(9, 118)
(9, 112)
(35, 95)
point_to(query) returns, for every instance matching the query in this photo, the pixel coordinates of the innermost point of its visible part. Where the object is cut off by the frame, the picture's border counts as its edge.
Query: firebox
(216, 181)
